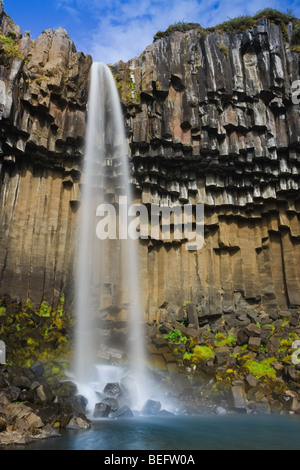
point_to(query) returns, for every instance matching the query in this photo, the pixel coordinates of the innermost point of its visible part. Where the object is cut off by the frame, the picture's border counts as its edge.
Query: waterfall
(107, 269)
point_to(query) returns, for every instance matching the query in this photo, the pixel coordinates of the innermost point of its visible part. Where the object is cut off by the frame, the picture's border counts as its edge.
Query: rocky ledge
(34, 406)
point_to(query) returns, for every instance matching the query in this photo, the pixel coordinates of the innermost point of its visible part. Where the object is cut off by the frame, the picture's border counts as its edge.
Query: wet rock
(78, 423)
(37, 368)
(123, 412)
(165, 413)
(14, 392)
(239, 398)
(113, 390)
(101, 410)
(151, 407)
(112, 403)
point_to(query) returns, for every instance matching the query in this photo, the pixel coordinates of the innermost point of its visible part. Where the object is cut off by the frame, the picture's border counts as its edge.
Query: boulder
(78, 423)
(101, 410)
(123, 412)
(151, 407)
(113, 390)
(239, 398)
(254, 343)
(37, 368)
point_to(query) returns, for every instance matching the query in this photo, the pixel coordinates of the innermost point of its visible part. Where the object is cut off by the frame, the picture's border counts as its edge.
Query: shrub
(10, 47)
(238, 24)
(179, 26)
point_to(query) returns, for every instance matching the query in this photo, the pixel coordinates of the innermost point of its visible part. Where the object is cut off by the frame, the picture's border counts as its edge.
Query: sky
(113, 30)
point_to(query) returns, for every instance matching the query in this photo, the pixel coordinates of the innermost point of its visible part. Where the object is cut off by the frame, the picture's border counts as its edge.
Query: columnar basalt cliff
(43, 89)
(210, 120)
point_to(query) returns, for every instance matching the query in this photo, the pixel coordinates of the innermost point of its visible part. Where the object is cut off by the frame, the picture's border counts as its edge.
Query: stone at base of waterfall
(239, 399)
(113, 390)
(123, 412)
(151, 407)
(101, 410)
(78, 423)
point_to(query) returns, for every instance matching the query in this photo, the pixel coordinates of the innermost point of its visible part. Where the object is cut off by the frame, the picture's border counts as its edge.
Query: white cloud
(121, 29)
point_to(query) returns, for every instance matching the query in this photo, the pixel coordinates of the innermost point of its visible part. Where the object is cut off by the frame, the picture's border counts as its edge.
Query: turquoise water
(211, 432)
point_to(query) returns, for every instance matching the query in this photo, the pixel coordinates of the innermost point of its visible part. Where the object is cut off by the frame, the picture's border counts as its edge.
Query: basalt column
(43, 89)
(212, 119)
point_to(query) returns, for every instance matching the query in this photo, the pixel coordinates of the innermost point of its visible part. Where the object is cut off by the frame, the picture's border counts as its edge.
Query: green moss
(223, 340)
(45, 310)
(36, 334)
(187, 356)
(261, 369)
(2, 311)
(202, 354)
(127, 89)
(176, 337)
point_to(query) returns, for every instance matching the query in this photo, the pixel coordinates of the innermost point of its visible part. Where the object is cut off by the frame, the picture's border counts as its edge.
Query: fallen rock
(101, 410)
(254, 343)
(123, 412)
(78, 423)
(151, 407)
(239, 399)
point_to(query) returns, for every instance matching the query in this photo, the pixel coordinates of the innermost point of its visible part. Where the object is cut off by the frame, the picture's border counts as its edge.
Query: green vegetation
(10, 47)
(295, 42)
(176, 337)
(242, 23)
(223, 48)
(238, 24)
(127, 89)
(202, 354)
(42, 79)
(179, 26)
(223, 340)
(261, 369)
(32, 334)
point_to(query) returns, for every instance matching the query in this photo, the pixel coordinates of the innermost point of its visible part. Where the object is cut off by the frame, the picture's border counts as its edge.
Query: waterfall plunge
(107, 272)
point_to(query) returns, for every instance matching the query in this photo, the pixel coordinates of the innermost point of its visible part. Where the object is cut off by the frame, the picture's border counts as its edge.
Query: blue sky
(111, 30)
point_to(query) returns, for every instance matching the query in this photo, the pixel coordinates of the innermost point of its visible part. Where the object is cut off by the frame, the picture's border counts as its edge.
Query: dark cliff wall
(209, 118)
(43, 89)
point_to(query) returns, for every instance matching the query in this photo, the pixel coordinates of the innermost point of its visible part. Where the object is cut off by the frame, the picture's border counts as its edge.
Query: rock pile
(34, 407)
(117, 401)
(245, 363)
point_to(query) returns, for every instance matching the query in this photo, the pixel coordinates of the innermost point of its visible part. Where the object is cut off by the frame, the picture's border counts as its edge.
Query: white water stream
(101, 262)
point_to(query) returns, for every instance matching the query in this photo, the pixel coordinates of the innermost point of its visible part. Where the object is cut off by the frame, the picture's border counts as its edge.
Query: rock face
(43, 90)
(210, 120)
